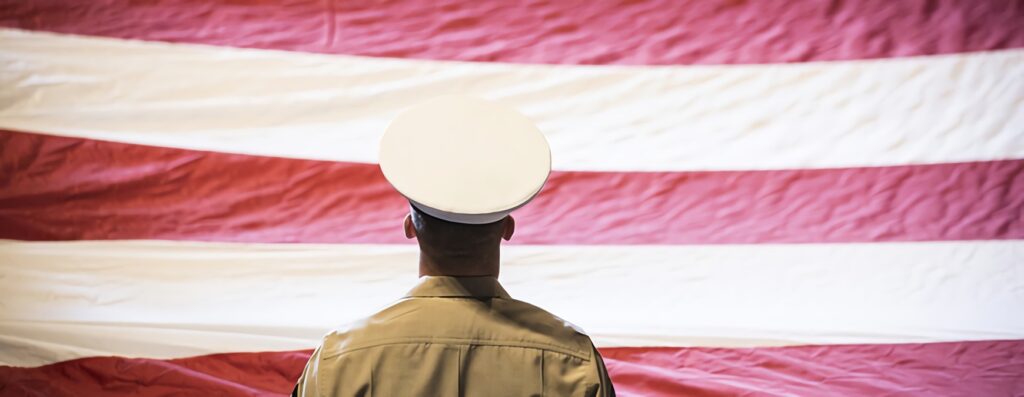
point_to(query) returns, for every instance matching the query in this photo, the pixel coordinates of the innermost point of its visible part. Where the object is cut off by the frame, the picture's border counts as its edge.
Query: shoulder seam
(585, 356)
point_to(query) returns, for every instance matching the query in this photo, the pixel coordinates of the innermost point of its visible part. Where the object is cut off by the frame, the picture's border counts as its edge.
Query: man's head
(457, 249)
(464, 164)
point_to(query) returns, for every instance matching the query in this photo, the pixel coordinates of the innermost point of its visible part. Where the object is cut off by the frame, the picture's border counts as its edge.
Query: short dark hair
(439, 236)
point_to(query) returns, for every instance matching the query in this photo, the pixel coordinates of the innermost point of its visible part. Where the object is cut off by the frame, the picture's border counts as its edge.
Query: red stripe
(985, 368)
(57, 188)
(232, 374)
(968, 369)
(565, 31)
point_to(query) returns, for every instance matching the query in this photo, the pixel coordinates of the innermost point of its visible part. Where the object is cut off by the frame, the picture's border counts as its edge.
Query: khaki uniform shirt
(457, 337)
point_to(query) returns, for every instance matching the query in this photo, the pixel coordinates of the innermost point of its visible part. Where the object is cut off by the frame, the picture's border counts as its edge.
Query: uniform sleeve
(605, 388)
(307, 385)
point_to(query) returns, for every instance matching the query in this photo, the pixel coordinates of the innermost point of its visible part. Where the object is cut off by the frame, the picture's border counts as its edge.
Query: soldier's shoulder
(540, 314)
(549, 327)
(377, 328)
(496, 321)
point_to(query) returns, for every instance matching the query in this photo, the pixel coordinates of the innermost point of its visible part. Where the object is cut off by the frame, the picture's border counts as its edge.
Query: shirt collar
(458, 287)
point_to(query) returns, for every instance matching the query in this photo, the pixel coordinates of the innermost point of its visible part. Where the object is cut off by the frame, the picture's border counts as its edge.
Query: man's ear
(410, 230)
(510, 227)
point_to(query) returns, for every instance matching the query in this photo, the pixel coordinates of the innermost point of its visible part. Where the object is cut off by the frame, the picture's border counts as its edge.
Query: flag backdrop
(757, 198)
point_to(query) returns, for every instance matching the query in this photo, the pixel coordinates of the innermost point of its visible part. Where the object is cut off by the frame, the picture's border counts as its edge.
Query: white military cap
(464, 159)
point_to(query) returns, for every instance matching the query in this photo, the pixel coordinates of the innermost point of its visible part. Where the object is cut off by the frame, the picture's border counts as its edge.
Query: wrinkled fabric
(652, 160)
(124, 191)
(946, 109)
(957, 369)
(653, 32)
(170, 299)
(230, 374)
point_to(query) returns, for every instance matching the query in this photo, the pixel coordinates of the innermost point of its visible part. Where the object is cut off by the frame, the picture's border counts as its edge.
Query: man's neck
(483, 266)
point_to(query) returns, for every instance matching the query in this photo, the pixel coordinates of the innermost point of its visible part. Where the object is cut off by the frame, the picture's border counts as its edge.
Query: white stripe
(835, 114)
(169, 299)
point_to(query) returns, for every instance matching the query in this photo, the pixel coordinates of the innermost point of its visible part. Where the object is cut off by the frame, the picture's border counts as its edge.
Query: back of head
(458, 249)
(455, 239)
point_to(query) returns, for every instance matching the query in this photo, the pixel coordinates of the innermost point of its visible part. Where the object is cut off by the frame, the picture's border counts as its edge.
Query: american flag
(758, 198)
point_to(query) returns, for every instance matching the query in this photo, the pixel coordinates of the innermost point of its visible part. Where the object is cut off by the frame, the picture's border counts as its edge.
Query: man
(464, 164)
